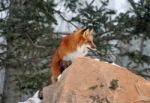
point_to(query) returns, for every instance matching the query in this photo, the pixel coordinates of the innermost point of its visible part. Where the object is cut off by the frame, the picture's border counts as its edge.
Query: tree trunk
(11, 93)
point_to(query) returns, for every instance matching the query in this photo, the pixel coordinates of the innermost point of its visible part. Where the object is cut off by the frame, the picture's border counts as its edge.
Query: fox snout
(93, 46)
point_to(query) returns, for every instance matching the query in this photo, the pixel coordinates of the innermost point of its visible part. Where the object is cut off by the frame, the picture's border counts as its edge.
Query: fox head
(87, 38)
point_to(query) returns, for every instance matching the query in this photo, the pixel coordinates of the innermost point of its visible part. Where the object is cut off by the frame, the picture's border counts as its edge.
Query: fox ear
(86, 33)
(82, 30)
(91, 32)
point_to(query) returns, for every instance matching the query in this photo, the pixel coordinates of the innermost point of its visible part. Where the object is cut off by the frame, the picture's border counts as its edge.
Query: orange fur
(68, 45)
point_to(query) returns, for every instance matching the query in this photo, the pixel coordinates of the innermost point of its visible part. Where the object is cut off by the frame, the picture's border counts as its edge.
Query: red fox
(72, 46)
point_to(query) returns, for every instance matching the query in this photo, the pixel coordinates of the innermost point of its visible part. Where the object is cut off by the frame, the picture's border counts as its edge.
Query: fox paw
(59, 77)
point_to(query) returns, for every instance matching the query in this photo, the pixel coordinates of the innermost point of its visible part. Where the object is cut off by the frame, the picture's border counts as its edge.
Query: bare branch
(132, 3)
(69, 21)
(29, 38)
(92, 2)
(3, 8)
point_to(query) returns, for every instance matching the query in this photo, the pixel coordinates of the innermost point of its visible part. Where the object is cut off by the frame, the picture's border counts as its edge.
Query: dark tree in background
(133, 27)
(29, 43)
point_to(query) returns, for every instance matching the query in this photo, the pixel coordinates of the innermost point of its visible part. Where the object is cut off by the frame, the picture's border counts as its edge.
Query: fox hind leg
(56, 71)
(58, 68)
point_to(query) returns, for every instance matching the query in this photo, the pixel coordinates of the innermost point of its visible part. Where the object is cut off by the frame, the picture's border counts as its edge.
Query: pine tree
(133, 26)
(28, 33)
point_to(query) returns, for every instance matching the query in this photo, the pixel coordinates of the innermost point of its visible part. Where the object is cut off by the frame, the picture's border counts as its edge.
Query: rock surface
(91, 81)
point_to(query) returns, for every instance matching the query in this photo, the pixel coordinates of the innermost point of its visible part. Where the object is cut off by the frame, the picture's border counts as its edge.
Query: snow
(34, 99)
(59, 77)
(146, 50)
(136, 47)
(3, 14)
(115, 64)
(119, 5)
(96, 59)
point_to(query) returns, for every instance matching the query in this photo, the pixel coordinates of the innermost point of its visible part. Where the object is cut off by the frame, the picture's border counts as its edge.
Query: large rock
(91, 81)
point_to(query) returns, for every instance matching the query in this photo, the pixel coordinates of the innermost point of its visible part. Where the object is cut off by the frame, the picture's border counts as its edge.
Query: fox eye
(89, 42)
(86, 42)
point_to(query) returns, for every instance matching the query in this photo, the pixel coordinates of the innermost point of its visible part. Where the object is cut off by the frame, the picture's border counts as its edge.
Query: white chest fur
(80, 52)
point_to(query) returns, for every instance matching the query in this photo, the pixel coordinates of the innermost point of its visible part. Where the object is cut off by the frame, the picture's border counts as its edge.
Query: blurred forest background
(30, 32)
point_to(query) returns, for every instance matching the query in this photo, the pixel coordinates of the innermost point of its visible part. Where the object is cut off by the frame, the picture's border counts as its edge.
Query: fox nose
(93, 46)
